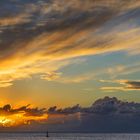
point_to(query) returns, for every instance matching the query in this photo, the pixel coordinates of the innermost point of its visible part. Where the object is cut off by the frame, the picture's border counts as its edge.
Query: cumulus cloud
(34, 32)
(104, 106)
(105, 115)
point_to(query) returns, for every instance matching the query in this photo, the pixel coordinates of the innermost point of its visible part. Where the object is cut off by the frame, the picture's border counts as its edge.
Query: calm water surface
(70, 136)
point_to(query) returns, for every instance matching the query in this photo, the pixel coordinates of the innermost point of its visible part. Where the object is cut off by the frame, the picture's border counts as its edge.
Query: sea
(68, 136)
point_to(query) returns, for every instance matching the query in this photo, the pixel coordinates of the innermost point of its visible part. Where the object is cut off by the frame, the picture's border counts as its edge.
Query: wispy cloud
(123, 70)
(126, 85)
(51, 32)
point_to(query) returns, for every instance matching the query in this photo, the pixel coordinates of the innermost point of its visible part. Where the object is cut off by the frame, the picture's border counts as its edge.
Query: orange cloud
(28, 48)
(23, 115)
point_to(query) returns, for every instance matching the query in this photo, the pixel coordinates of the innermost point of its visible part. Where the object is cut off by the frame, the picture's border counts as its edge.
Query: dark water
(68, 136)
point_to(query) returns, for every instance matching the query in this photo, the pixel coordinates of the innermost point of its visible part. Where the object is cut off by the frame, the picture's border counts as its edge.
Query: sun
(20, 119)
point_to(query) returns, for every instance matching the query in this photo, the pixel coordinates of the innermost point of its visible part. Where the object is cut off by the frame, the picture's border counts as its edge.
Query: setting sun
(69, 66)
(19, 119)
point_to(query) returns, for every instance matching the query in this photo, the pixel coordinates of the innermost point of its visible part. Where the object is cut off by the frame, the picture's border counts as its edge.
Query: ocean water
(68, 136)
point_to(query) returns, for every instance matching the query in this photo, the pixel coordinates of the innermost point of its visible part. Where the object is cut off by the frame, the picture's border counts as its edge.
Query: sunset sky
(66, 52)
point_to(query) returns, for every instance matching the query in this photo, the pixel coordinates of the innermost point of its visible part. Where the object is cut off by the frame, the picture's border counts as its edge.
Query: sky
(60, 55)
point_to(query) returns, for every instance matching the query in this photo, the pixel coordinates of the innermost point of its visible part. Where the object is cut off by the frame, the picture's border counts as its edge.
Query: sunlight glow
(19, 119)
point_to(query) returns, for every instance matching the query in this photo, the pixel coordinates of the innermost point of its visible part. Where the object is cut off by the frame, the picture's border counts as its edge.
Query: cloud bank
(105, 115)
